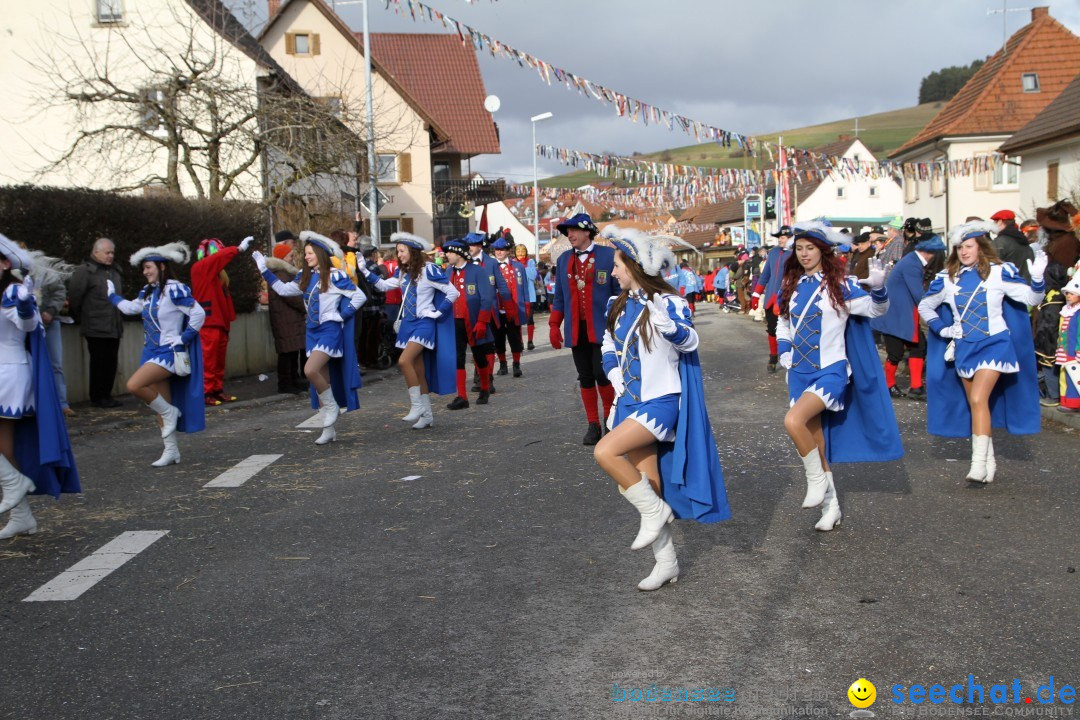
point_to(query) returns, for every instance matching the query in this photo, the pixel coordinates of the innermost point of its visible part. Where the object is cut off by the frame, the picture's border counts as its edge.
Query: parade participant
(660, 448)
(512, 312)
(476, 242)
(980, 346)
(170, 375)
(910, 234)
(721, 283)
(583, 285)
(1068, 349)
(521, 253)
(35, 453)
(840, 409)
(331, 300)
(900, 327)
(473, 312)
(768, 287)
(210, 286)
(1010, 244)
(688, 285)
(1047, 334)
(425, 325)
(1062, 225)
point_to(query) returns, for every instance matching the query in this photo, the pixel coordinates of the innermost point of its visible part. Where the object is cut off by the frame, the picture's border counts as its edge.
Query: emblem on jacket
(601, 277)
(470, 289)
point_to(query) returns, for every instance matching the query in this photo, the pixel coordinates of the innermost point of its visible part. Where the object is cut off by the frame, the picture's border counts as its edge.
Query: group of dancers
(634, 348)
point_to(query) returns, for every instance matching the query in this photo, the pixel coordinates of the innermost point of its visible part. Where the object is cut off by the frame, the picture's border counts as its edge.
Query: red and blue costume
(474, 312)
(209, 285)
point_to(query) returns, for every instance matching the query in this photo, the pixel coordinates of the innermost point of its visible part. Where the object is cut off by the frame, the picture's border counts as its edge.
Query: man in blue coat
(688, 285)
(477, 256)
(583, 285)
(899, 327)
(768, 286)
(473, 312)
(512, 314)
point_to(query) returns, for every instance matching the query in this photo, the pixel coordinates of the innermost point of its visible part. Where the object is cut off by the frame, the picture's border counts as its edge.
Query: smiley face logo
(862, 693)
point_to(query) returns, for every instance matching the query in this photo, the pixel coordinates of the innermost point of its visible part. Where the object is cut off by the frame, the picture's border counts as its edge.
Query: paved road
(499, 582)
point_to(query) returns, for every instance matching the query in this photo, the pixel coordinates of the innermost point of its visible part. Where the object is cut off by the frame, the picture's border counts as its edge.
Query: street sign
(752, 207)
(380, 200)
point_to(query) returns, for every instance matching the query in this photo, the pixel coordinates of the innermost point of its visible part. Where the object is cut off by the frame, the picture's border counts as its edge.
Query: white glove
(952, 332)
(614, 376)
(110, 289)
(433, 314)
(260, 261)
(658, 315)
(246, 243)
(1037, 267)
(25, 289)
(785, 360)
(876, 277)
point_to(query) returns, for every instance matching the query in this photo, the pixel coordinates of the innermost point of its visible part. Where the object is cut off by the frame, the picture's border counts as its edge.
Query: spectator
(1062, 244)
(862, 249)
(287, 318)
(910, 234)
(1047, 325)
(1011, 244)
(721, 282)
(99, 322)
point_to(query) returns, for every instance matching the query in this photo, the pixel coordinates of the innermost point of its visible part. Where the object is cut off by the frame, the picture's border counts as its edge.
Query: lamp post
(536, 196)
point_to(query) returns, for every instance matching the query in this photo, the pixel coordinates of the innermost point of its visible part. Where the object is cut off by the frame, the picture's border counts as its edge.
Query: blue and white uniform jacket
(652, 373)
(322, 307)
(418, 298)
(21, 318)
(813, 330)
(163, 313)
(975, 301)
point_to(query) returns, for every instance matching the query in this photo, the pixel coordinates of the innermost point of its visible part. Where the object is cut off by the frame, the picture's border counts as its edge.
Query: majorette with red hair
(583, 285)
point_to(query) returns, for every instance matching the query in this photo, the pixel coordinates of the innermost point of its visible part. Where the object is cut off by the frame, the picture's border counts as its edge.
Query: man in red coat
(210, 286)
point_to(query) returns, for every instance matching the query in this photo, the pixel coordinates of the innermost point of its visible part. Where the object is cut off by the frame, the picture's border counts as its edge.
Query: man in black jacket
(1011, 244)
(99, 322)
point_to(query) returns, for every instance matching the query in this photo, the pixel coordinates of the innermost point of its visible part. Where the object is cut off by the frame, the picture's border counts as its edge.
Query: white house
(853, 200)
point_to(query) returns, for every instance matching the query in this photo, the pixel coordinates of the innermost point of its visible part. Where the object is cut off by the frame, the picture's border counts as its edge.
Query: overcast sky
(749, 67)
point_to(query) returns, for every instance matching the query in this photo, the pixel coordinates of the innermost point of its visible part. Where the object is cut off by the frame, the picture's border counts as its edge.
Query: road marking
(315, 421)
(409, 478)
(89, 571)
(242, 471)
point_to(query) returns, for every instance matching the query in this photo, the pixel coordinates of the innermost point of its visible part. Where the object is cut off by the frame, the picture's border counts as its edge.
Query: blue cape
(865, 430)
(1014, 404)
(344, 374)
(690, 472)
(187, 392)
(440, 364)
(42, 448)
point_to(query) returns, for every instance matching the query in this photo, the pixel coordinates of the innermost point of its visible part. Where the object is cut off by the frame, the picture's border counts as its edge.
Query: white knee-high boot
(20, 522)
(427, 417)
(816, 482)
(666, 568)
(416, 407)
(977, 472)
(830, 509)
(655, 513)
(170, 414)
(991, 462)
(330, 411)
(14, 484)
(171, 455)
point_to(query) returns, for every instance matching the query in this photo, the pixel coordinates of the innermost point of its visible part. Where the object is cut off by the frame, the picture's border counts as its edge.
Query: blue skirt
(417, 330)
(828, 383)
(659, 415)
(17, 390)
(995, 352)
(328, 338)
(159, 355)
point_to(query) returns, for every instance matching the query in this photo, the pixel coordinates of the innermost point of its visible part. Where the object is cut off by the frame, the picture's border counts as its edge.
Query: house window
(110, 11)
(302, 43)
(1006, 174)
(1052, 180)
(873, 191)
(388, 228)
(841, 193)
(387, 168)
(1030, 82)
(152, 113)
(911, 188)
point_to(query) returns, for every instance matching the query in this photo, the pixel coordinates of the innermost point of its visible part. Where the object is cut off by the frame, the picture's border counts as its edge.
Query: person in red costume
(210, 286)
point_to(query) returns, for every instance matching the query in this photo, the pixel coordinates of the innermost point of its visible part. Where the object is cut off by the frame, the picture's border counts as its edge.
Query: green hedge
(65, 223)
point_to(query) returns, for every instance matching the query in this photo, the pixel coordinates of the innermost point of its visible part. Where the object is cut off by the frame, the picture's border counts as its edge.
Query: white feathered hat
(413, 241)
(19, 258)
(652, 252)
(332, 248)
(820, 230)
(174, 252)
(975, 228)
(1073, 286)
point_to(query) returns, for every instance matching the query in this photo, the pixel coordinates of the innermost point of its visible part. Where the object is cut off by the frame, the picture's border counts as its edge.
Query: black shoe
(592, 435)
(517, 369)
(896, 392)
(918, 393)
(531, 346)
(458, 403)
(483, 399)
(771, 367)
(502, 369)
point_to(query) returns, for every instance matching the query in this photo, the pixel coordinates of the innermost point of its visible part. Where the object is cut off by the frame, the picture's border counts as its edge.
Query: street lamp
(536, 196)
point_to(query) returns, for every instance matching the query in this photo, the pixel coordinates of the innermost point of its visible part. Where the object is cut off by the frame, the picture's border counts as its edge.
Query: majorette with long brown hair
(331, 300)
(980, 367)
(839, 407)
(661, 441)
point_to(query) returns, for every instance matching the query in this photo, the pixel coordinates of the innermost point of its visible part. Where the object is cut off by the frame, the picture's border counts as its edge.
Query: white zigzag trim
(425, 342)
(326, 350)
(1002, 367)
(660, 432)
(827, 398)
(162, 362)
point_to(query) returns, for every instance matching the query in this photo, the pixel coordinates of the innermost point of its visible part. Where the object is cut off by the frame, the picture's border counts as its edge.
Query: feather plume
(822, 230)
(329, 245)
(405, 237)
(957, 232)
(176, 252)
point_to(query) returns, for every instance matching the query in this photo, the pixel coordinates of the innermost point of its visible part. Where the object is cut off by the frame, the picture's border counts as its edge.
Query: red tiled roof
(444, 77)
(993, 101)
(1060, 119)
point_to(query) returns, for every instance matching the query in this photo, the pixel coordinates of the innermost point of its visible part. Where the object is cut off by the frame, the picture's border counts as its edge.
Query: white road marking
(242, 471)
(410, 478)
(89, 571)
(315, 421)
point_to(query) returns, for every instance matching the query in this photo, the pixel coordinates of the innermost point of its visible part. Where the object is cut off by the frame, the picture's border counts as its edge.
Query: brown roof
(444, 76)
(1060, 119)
(993, 101)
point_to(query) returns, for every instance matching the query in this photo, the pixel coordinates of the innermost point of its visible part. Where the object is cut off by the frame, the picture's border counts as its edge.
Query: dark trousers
(508, 332)
(288, 370)
(479, 352)
(588, 361)
(770, 321)
(895, 347)
(369, 336)
(103, 361)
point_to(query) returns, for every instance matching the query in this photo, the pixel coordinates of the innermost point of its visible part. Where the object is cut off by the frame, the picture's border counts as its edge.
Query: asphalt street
(481, 569)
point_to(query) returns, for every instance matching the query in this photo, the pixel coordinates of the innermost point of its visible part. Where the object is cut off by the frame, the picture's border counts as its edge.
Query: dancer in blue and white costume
(980, 304)
(169, 378)
(33, 436)
(661, 441)
(425, 326)
(839, 405)
(331, 300)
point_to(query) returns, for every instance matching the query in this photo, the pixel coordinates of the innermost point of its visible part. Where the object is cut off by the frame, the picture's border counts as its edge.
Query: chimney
(1039, 12)
(273, 6)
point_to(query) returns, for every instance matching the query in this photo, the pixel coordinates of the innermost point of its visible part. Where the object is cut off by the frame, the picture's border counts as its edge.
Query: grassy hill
(882, 133)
